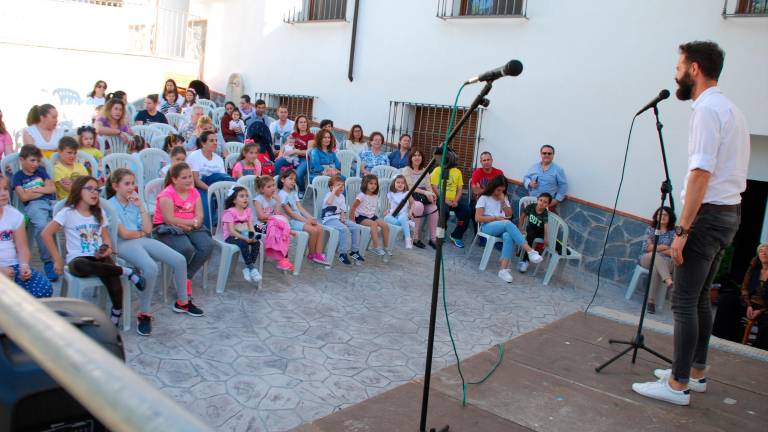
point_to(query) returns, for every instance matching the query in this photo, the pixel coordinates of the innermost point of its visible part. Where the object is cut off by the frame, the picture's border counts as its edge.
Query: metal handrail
(113, 393)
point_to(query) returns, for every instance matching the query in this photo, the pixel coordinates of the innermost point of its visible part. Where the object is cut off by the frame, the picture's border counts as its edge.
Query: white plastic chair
(67, 96)
(228, 251)
(207, 103)
(230, 161)
(73, 286)
(298, 242)
(348, 158)
(152, 160)
(9, 166)
(217, 114)
(130, 114)
(384, 172)
(151, 190)
(661, 290)
(89, 162)
(157, 142)
(394, 230)
(113, 161)
(146, 131)
(233, 147)
(490, 242)
(558, 235)
(116, 145)
(176, 120)
(163, 129)
(314, 130)
(248, 182)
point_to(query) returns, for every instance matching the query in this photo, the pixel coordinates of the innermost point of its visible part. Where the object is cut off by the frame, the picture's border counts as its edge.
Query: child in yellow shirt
(67, 168)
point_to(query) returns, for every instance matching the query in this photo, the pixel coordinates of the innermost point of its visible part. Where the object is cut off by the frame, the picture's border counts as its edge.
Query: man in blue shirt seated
(547, 176)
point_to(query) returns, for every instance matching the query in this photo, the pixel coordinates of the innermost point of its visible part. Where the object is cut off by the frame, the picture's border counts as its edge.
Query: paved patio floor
(305, 346)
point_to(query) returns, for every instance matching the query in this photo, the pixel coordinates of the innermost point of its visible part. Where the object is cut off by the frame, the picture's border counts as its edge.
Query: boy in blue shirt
(35, 189)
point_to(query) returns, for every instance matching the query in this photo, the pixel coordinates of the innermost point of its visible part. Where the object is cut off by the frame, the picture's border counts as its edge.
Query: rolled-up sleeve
(562, 184)
(704, 140)
(529, 175)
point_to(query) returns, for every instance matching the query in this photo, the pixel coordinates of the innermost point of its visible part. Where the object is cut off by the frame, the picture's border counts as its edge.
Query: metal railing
(106, 387)
(302, 11)
(427, 125)
(745, 8)
(297, 104)
(131, 27)
(481, 9)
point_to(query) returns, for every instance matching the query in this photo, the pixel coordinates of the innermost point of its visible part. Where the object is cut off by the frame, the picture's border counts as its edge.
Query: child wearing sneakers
(300, 218)
(89, 248)
(237, 229)
(14, 249)
(35, 190)
(363, 211)
(492, 213)
(267, 204)
(537, 217)
(334, 214)
(397, 192)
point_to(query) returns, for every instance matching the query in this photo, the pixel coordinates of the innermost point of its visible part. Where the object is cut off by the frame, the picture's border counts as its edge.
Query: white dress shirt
(718, 142)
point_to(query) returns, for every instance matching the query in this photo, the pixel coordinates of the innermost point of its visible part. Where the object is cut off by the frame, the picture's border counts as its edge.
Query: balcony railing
(133, 27)
(745, 8)
(304, 11)
(481, 9)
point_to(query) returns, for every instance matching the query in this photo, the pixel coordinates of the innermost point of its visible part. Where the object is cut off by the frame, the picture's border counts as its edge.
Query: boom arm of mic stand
(479, 100)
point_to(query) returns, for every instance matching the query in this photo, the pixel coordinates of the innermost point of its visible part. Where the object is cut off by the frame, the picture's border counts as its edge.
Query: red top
(267, 166)
(480, 176)
(302, 141)
(226, 132)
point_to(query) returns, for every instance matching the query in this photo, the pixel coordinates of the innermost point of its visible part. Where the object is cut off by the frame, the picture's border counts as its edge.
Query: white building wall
(589, 66)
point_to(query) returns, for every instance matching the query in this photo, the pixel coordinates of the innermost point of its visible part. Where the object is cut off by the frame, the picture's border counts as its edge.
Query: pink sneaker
(285, 264)
(319, 259)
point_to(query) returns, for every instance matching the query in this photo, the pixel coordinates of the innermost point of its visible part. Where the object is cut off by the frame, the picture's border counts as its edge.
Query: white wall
(589, 66)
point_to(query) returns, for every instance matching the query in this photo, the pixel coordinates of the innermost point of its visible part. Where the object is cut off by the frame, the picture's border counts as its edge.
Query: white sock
(127, 271)
(115, 315)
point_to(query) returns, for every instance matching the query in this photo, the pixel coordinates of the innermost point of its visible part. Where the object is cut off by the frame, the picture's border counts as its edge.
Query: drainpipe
(352, 45)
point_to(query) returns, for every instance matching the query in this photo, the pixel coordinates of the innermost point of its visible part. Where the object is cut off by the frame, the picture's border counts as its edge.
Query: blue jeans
(39, 214)
(349, 234)
(301, 170)
(402, 221)
(509, 234)
(209, 180)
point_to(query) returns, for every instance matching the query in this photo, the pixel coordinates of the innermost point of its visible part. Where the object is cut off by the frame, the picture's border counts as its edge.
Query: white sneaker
(534, 257)
(255, 275)
(378, 251)
(506, 275)
(247, 274)
(661, 390)
(408, 243)
(522, 266)
(696, 385)
(412, 224)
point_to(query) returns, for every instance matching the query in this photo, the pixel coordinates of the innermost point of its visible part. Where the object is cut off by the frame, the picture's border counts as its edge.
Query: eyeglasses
(91, 188)
(101, 86)
(547, 153)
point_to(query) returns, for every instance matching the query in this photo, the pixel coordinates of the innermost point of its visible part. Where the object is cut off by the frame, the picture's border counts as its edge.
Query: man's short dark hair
(325, 122)
(260, 102)
(547, 146)
(246, 98)
(486, 153)
(707, 54)
(28, 150)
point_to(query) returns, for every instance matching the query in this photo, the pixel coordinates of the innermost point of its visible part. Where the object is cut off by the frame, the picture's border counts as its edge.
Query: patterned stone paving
(303, 347)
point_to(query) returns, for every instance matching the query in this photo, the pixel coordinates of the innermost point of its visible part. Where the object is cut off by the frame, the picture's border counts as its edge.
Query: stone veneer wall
(588, 226)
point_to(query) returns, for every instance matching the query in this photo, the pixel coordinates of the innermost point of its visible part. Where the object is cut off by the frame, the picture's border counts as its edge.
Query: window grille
(302, 11)
(297, 104)
(481, 8)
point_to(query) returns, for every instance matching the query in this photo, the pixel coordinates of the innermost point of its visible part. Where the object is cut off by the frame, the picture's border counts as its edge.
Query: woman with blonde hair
(112, 121)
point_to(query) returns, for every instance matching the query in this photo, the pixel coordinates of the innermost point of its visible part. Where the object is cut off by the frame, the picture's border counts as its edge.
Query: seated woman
(150, 114)
(207, 168)
(425, 201)
(301, 138)
(97, 96)
(228, 134)
(399, 157)
(323, 160)
(375, 156)
(663, 264)
(749, 303)
(356, 140)
(492, 214)
(112, 121)
(43, 131)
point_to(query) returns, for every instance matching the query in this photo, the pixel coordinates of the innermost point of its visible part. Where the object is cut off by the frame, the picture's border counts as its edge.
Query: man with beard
(718, 156)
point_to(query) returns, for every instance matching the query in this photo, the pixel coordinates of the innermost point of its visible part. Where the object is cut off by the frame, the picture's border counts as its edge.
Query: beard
(685, 85)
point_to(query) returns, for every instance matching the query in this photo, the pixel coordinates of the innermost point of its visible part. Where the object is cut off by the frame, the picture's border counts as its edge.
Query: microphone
(662, 95)
(513, 68)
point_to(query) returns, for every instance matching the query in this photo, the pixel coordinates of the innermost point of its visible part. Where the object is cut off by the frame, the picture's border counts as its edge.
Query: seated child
(67, 169)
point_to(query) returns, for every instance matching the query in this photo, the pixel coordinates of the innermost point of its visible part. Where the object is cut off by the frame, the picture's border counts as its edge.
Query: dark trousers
(106, 270)
(532, 232)
(249, 251)
(463, 217)
(712, 231)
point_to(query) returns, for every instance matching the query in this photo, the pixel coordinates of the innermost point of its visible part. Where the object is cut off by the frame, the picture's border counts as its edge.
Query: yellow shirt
(455, 182)
(96, 153)
(61, 172)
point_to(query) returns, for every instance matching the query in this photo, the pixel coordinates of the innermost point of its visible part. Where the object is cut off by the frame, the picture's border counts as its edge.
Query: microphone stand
(638, 343)
(441, 227)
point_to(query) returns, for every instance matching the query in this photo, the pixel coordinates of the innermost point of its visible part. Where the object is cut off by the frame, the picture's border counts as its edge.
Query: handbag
(422, 198)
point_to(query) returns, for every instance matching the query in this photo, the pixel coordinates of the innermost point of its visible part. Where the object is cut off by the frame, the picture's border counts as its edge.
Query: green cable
(464, 383)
